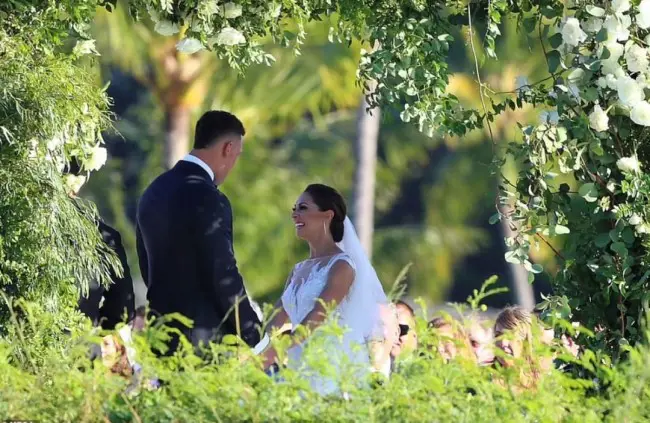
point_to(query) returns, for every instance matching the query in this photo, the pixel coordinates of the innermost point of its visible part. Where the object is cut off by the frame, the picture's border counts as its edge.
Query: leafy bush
(66, 386)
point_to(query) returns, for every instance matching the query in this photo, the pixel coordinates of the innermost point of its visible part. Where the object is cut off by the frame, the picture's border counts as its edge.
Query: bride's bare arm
(339, 281)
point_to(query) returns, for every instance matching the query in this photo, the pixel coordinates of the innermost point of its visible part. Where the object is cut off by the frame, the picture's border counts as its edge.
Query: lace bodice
(307, 282)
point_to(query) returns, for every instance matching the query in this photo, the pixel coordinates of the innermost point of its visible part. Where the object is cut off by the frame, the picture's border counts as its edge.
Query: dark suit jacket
(184, 234)
(118, 298)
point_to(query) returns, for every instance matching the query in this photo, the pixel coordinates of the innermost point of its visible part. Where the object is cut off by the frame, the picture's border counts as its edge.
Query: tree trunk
(365, 173)
(522, 290)
(177, 122)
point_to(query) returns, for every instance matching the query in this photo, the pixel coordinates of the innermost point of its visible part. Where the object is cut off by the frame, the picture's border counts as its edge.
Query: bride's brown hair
(327, 198)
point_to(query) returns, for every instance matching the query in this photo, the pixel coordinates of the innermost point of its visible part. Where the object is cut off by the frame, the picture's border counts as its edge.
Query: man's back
(184, 231)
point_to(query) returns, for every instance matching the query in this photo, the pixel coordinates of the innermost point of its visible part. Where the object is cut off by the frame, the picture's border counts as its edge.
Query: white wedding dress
(342, 358)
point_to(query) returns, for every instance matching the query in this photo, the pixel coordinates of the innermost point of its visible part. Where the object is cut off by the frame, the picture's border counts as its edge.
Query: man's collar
(193, 159)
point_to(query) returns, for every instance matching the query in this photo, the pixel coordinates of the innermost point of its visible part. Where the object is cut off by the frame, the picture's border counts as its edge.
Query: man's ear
(226, 148)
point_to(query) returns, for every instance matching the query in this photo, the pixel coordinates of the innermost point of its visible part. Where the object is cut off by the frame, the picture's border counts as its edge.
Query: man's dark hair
(406, 306)
(215, 124)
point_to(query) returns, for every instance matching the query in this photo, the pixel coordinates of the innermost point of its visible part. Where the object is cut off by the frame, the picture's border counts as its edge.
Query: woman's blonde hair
(458, 334)
(520, 322)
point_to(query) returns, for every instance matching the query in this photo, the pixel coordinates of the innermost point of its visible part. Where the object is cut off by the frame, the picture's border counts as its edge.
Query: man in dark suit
(118, 303)
(185, 241)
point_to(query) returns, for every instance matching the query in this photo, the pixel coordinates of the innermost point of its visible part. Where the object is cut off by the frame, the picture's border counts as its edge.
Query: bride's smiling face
(310, 221)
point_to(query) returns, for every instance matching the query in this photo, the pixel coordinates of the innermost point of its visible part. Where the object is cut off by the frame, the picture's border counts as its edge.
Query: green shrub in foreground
(65, 386)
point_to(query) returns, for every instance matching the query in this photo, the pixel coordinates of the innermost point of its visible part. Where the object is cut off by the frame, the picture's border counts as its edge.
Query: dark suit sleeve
(119, 297)
(142, 255)
(218, 268)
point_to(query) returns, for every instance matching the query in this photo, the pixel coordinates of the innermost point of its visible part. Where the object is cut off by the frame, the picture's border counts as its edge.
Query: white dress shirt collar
(193, 159)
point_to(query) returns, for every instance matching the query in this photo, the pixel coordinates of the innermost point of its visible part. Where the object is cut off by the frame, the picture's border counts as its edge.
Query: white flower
(54, 143)
(621, 6)
(153, 13)
(642, 80)
(228, 37)
(521, 84)
(275, 11)
(73, 183)
(85, 47)
(97, 159)
(189, 45)
(628, 164)
(572, 34)
(551, 117)
(576, 76)
(610, 65)
(636, 58)
(617, 27)
(592, 25)
(209, 8)
(635, 219)
(231, 10)
(643, 17)
(643, 228)
(640, 113)
(598, 119)
(166, 28)
(629, 92)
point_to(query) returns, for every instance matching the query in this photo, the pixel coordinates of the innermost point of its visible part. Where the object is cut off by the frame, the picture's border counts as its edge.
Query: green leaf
(511, 257)
(619, 248)
(595, 11)
(531, 277)
(555, 40)
(530, 24)
(628, 235)
(589, 192)
(537, 268)
(561, 230)
(554, 59)
(496, 217)
(602, 240)
(602, 35)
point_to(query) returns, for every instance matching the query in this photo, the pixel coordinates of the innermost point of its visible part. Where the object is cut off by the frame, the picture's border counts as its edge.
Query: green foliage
(67, 387)
(596, 140)
(50, 110)
(409, 44)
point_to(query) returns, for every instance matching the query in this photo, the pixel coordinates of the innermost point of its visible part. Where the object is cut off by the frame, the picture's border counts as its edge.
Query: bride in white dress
(337, 273)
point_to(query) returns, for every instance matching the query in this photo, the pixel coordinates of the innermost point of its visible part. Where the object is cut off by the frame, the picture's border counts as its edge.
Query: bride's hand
(269, 357)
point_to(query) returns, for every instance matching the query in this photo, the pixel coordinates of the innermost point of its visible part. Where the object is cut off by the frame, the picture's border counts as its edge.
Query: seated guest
(380, 351)
(408, 337)
(481, 339)
(107, 306)
(452, 340)
(514, 331)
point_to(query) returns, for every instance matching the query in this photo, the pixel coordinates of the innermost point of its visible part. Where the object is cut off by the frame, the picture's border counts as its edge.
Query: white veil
(367, 295)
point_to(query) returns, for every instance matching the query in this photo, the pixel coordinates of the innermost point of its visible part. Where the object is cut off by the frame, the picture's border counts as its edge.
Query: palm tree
(181, 83)
(368, 122)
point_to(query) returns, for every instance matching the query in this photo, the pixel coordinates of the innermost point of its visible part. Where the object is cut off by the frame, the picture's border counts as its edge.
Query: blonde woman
(515, 330)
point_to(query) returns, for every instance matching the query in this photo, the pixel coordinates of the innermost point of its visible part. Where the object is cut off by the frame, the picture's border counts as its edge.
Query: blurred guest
(106, 306)
(514, 329)
(380, 351)
(452, 339)
(408, 338)
(481, 338)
